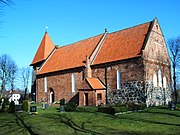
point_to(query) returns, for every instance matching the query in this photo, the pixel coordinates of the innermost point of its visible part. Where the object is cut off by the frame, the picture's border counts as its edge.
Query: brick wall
(92, 97)
(156, 58)
(60, 83)
(155, 54)
(130, 70)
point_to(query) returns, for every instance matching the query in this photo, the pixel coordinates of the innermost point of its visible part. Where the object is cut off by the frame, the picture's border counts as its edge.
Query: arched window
(118, 79)
(155, 80)
(164, 82)
(45, 84)
(159, 78)
(73, 83)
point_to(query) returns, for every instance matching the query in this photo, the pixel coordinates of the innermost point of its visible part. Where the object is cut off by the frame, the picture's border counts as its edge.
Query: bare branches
(174, 50)
(12, 74)
(25, 73)
(6, 3)
(8, 68)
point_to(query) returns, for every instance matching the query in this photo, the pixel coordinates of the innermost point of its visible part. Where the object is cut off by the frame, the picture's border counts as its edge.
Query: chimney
(88, 71)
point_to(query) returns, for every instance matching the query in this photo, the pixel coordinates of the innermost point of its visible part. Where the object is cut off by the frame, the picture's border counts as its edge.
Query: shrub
(70, 107)
(135, 107)
(142, 106)
(2, 108)
(87, 109)
(62, 101)
(25, 105)
(11, 108)
(108, 110)
(6, 100)
(119, 105)
(121, 109)
(132, 106)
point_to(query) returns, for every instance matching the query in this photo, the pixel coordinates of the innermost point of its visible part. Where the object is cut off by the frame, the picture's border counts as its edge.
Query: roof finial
(106, 30)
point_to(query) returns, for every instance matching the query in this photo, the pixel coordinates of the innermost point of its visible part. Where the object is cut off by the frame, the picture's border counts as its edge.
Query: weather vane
(46, 28)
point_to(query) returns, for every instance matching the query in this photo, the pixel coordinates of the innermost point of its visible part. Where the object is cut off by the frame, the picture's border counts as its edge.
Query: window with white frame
(118, 79)
(164, 82)
(155, 80)
(73, 83)
(45, 84)
(159, 78)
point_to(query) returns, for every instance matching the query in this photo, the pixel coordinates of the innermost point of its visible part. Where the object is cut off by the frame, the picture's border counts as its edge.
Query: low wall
(138, 92)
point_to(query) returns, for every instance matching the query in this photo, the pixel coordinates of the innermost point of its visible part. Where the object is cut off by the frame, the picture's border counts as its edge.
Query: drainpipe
(106, 83)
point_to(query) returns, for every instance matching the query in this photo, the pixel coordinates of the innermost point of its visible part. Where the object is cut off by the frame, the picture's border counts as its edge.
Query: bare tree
(5, 3)
(174, 50)
(7, 70)
(25, 75)
(12, 74)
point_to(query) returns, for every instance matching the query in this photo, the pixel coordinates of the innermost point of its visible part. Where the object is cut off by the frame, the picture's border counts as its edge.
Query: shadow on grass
(77, 128)
(20, 122)
(83, 127)
(69, 122)
(163, 113)
(151, 121)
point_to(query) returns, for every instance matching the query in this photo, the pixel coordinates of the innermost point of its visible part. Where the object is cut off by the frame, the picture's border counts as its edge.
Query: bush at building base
(25, 105)
(11, 108)
(70, 107)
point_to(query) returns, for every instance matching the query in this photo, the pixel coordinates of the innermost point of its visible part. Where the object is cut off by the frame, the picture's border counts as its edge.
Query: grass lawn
(154, 120)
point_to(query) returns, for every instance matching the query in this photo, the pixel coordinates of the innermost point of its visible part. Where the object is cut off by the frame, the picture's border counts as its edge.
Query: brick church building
(129, 65)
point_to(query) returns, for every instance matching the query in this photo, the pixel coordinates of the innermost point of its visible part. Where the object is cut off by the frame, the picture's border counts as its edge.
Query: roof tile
(123, 44)
(95, 83)
(70, 56)
(44, 49)
(118, 45)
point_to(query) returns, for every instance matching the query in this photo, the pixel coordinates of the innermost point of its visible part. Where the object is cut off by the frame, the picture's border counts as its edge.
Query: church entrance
(51, 98)
(86, 99)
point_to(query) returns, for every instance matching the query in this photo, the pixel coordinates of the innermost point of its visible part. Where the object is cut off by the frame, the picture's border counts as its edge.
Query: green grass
(86, 121)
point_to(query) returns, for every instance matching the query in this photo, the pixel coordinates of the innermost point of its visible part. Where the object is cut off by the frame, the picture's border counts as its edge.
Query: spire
(45, 48)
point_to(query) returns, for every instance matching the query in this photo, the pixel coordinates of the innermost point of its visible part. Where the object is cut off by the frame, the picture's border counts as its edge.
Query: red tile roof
(70, 56)
(118, 45)
(95, 83)
(44, 49)
(123, 44)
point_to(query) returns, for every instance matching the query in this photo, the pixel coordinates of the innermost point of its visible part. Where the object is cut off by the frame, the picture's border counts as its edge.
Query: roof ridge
(130, 27)
(59, 46)
(98, 47)
(80, 40)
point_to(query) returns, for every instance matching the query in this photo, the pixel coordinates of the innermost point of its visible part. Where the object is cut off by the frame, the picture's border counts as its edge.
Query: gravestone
(43, 105)
(33, 109)
(18, 108)
(1, 103)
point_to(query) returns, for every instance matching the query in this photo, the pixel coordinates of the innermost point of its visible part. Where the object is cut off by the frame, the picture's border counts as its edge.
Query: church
(129, 65)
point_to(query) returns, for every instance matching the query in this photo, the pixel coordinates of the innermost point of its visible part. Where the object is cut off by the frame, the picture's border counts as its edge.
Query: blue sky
(68, 21)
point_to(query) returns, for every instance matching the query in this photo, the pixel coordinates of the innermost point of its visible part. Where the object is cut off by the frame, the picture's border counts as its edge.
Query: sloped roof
(95, 83)
(44, 49)
(123, 44)
(117, 46)
(70, 56)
